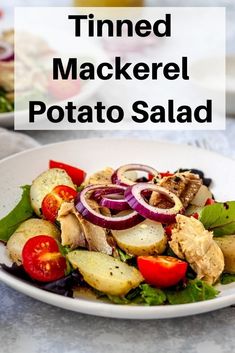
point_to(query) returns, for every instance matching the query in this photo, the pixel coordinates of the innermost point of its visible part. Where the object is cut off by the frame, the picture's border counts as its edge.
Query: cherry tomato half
(52, 201)
(162, 271)
(77, 175)
(209, 202)
(42, 259)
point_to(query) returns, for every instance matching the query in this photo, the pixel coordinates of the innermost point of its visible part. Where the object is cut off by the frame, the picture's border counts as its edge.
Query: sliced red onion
(117, 223)
(133, 196)
(120, 178)
(99, 193)
(118, 204)
(6, 51)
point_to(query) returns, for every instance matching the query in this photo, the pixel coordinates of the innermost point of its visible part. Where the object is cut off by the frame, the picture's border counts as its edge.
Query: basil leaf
(227, 278)
(219, 217)
(195, 291)
(22, 211)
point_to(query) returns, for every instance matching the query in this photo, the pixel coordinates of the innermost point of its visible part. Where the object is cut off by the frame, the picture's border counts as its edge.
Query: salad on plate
(129, 236)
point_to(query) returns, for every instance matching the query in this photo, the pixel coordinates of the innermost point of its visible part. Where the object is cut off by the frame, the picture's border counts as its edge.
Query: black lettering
(141, 71)
(87, 71)
(186, 114)
(109, 25)
(185, 75)
(169, 69)
(70, 107)
(119, 114)
(99, 107)
(171, 111)
(158, 115)
(33, 111)
(55, 110)
(121, 70)
(71, 68)
(166, 24)
(138, 110)
(77, 19)
(85, 114)
(143, 28)
(100, 71)
(129, 26)
(208, 112)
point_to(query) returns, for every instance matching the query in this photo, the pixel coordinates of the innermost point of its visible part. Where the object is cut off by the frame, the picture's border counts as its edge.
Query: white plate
(92, 155)
(7, 119)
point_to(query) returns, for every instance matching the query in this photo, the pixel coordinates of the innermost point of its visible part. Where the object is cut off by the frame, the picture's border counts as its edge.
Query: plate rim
(106, 309)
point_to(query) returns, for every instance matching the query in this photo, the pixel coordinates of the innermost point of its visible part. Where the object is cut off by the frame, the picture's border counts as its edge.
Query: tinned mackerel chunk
(101, 177)
(78, 232)
(184, 185)
(190, 241)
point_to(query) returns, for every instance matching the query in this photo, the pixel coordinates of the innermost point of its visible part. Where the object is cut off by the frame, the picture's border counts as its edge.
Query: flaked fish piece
(78, 232)
(190, 241)
(71, 231)
(184, 185)
(101, 177)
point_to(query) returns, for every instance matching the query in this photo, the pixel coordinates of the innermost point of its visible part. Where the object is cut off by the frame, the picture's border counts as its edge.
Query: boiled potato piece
(29, 229)
(146, 238)
(192, 209)
(104, 272)
(45, 183)
(227, 245)
(201, 196)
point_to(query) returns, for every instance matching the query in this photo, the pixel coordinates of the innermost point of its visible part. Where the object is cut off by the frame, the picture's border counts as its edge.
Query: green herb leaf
(227, 278)
(151, 295)
(219, 217)
(123, 256)
(118, 300)
(195, 291)
(5, 105)
(22, 211)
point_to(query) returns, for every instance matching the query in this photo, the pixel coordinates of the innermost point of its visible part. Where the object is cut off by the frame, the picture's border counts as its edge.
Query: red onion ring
(114, 203)
(133, 196)
(6, 51)
(119, 177)
(117, 223)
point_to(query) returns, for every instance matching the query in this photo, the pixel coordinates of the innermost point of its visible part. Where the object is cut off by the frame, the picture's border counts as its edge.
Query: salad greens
(196, 291)
(22, 211)
(227, 278)
(219, 217)
(5, 104)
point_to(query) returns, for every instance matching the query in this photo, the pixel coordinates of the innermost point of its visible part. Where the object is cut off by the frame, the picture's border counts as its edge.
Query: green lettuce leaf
(195, 291)
(123, 256)
(151, 295)
(227, 278)
(219, 217)
(22, 211)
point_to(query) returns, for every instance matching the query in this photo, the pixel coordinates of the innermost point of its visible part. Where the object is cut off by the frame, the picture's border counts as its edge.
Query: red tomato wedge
(209, 202)
(62, 89)
(42, 259)
(162, 271)
(77, 175)
(52, 201)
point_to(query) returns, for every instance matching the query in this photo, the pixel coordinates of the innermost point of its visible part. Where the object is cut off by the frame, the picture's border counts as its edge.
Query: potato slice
(227, 245)
(45, 183)
(201, 196)
(146, 238)
(104, 272)
(27, 230)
